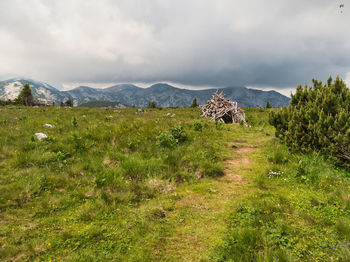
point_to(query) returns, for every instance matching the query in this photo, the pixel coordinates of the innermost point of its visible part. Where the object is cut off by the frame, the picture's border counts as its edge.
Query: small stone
(48, 125)
(139, 111)
(40, 136)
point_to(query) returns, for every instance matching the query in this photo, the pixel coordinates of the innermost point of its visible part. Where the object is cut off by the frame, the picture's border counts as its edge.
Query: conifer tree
(152, 104)
(25, 97)
(268, 105)
(69, 102)
(194, 102)
(317, 118)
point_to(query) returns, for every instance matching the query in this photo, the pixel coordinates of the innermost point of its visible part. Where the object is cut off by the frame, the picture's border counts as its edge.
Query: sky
(270, 44)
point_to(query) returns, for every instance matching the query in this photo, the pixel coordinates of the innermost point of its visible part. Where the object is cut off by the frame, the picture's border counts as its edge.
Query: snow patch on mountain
(11, 90)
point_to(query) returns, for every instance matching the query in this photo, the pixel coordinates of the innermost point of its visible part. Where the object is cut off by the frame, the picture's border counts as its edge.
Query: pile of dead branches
(223, 110)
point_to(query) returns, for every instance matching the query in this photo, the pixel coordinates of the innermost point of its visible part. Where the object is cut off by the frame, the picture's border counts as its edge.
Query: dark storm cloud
(195, 42)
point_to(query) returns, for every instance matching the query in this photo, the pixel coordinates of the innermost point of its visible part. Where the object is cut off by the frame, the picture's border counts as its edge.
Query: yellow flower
(49, 244)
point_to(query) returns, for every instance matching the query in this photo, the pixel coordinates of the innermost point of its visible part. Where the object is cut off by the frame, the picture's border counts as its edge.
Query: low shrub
(166, 140)
(197, 126)
(173, 137)
(178, 133)
(317, 118)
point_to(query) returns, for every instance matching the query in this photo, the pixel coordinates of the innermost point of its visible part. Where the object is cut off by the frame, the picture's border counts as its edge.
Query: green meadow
(163, 185)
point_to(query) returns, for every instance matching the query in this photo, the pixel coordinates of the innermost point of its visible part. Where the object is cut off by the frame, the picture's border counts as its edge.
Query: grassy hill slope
(163, 185)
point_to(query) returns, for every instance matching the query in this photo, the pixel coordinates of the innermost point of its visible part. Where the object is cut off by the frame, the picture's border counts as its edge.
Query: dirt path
(199, 216)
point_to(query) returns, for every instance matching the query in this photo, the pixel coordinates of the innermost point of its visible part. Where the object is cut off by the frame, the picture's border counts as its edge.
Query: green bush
(178, 133)
(166, 140)
(170, 139)
(197, 126)
(317, 119)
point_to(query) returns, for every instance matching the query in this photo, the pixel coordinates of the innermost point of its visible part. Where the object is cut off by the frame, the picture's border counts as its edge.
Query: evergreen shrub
(317, 119)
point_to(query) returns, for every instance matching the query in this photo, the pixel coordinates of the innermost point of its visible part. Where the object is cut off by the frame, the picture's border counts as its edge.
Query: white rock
(48, 125)
(40, 136)
(84, 116)
(173, 115)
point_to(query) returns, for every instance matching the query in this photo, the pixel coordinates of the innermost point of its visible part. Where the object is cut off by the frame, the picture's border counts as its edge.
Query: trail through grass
(199, 216)
(198, 219)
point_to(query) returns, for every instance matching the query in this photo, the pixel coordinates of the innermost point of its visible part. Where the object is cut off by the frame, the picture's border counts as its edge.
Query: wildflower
(334, 248)
(49, 244)
(332, 234)
(342, 245)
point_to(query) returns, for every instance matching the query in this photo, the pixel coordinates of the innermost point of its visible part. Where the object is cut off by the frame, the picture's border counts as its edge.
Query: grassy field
(164, 185)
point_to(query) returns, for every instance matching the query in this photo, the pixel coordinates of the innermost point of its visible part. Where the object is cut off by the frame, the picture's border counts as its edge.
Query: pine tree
(194, 102)
(268, 105)
(152, 104)
(69, 102)
(25, 97)
(317, 118)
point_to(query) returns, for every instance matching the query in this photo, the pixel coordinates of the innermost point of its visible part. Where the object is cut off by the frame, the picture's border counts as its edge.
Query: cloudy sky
(199, 43)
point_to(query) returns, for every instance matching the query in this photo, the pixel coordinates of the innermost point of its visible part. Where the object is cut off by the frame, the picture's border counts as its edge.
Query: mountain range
(127, 94)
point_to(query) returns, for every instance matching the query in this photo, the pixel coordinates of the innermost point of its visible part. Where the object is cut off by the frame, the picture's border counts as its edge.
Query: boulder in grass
(40, 136)
(48, 125)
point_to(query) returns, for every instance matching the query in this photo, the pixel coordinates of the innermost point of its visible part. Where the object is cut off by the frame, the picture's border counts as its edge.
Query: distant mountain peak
(163, 94)
(161, 85)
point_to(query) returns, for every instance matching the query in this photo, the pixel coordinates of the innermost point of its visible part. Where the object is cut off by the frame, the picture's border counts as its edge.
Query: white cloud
(193, 42)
